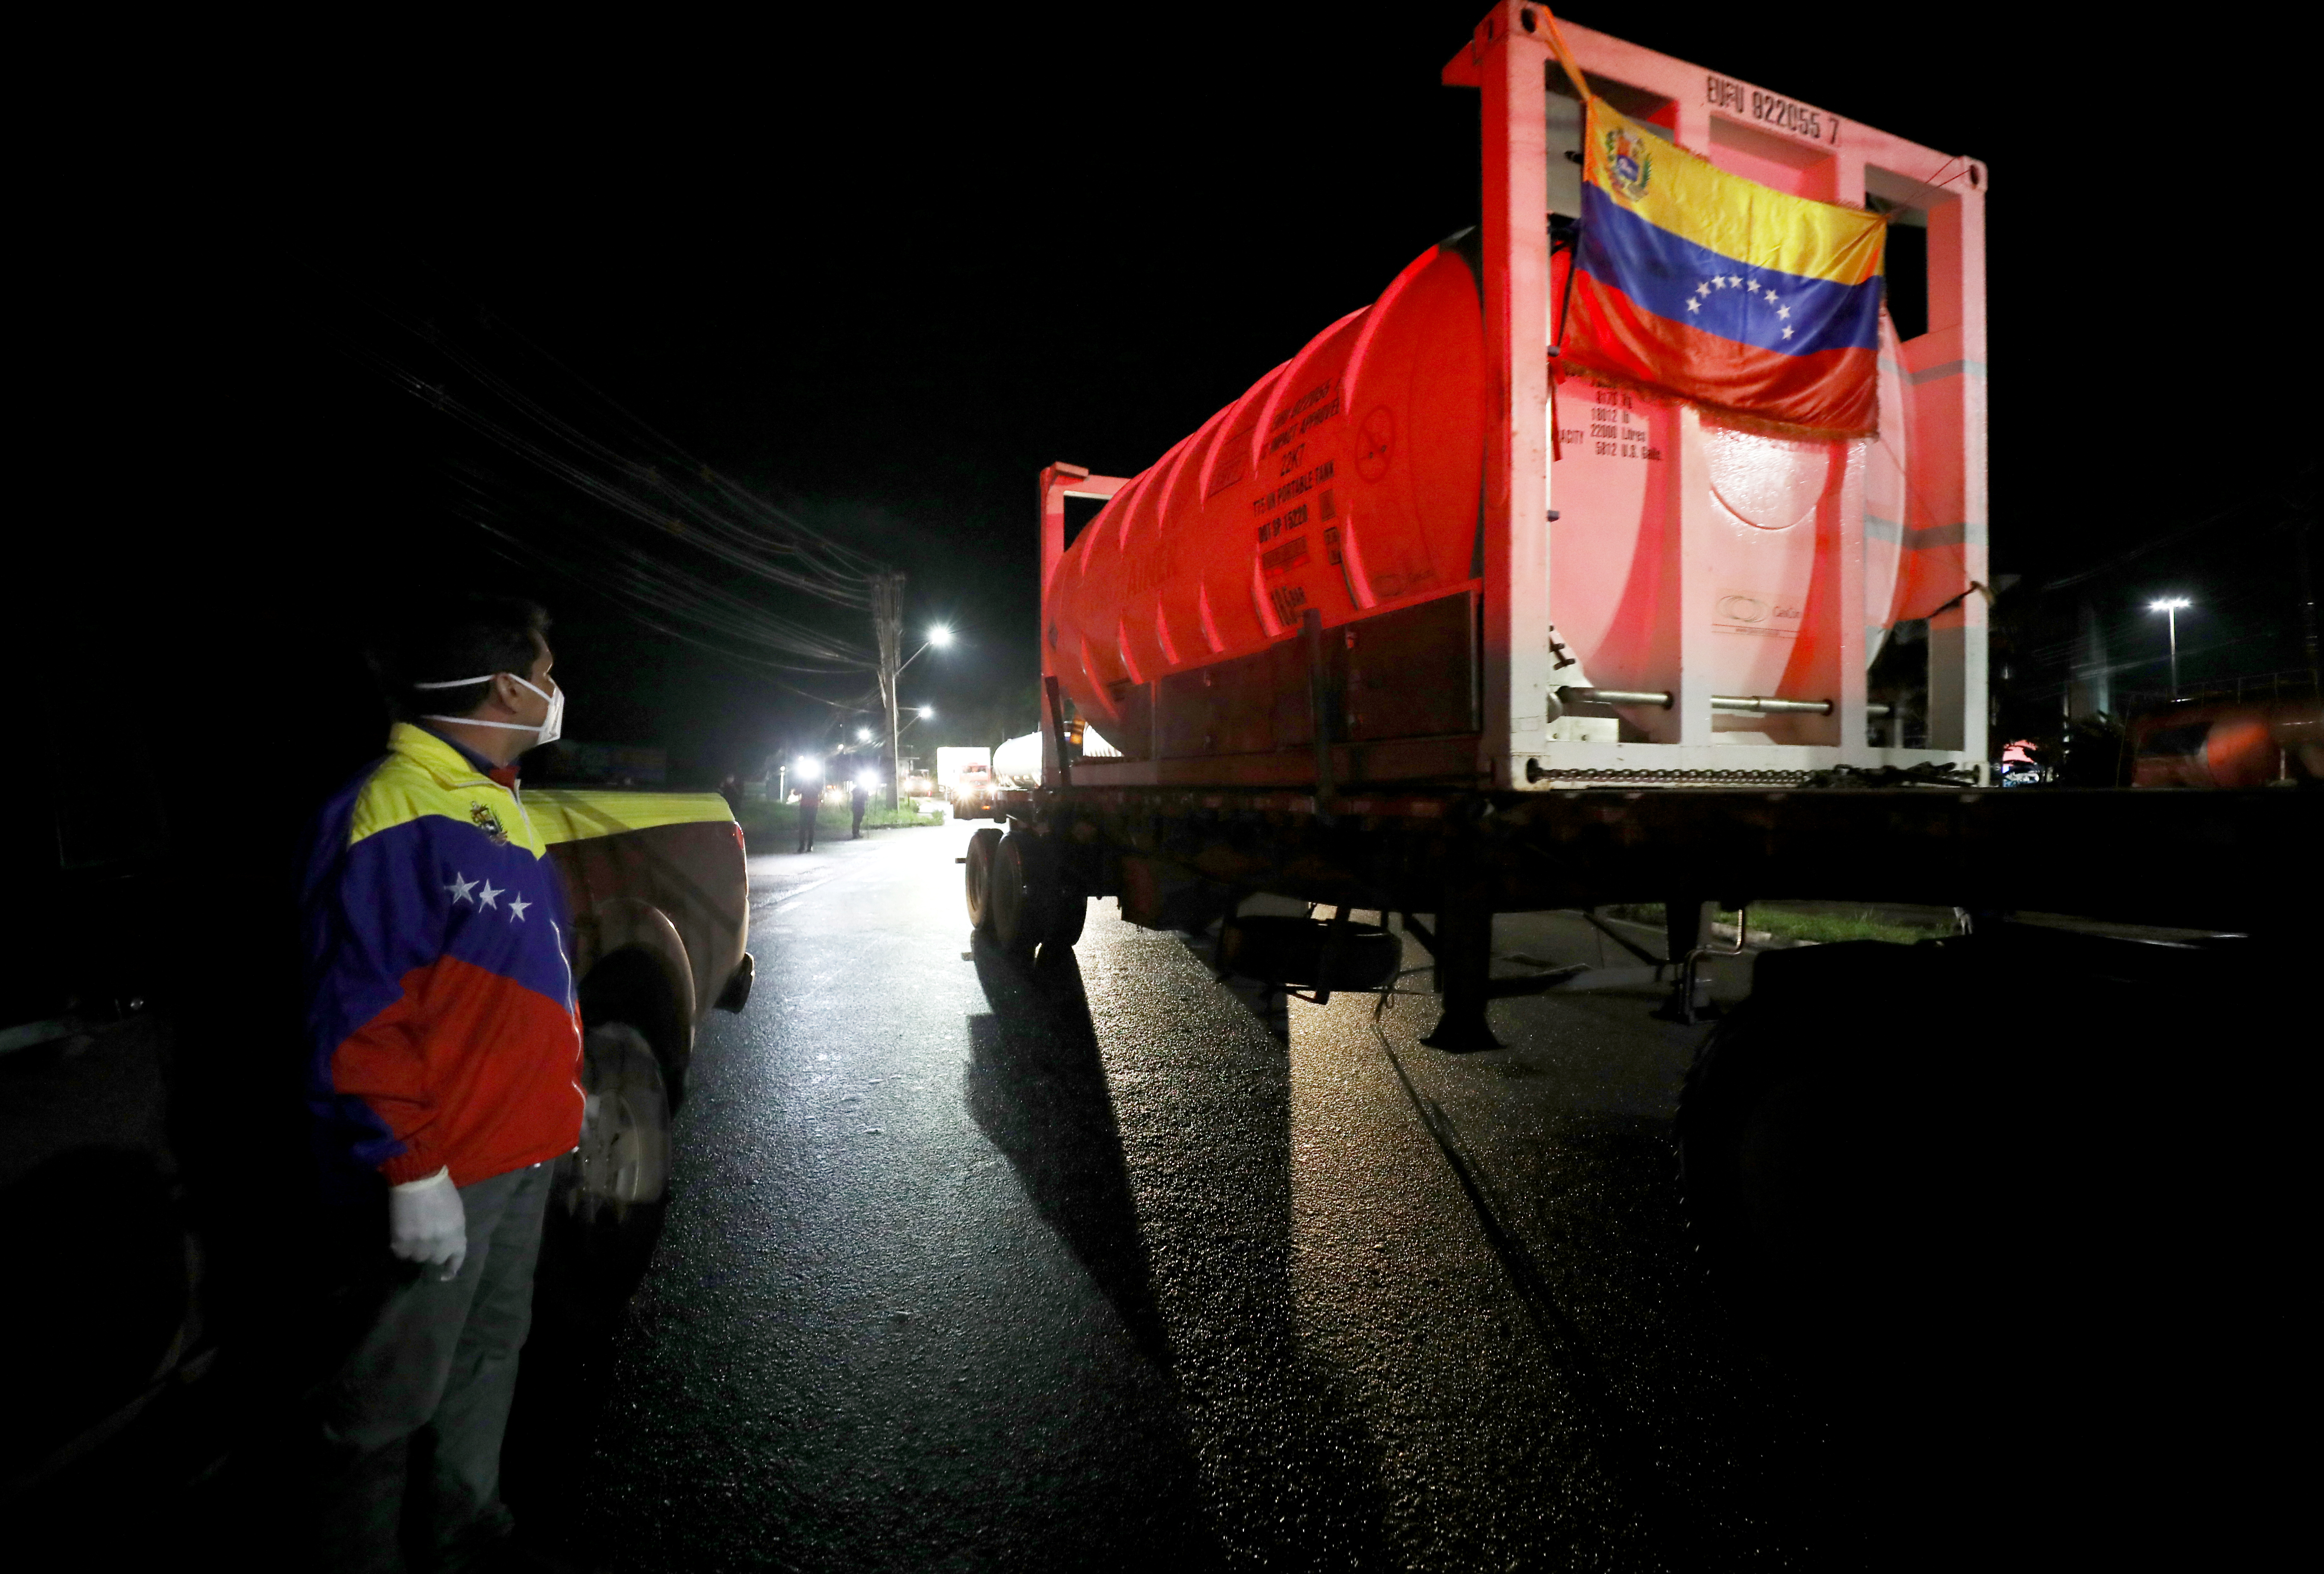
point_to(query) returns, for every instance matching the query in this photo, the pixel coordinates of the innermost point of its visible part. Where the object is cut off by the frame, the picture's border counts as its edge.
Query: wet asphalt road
(1082, 1266)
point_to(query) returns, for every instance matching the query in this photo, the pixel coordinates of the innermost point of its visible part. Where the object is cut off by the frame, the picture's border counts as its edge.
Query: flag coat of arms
(1721, 291)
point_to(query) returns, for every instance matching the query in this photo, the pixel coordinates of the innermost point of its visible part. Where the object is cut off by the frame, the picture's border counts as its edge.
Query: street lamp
(863, 734)
(2172, 606)
(940, 636)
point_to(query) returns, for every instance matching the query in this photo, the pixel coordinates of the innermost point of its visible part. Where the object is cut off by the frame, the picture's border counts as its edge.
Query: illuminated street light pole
(938, 637)
(888, 629)
(888, 618)
(2172, 605)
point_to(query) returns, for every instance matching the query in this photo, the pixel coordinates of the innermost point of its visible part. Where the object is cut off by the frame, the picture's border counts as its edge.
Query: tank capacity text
(1769, 110)
(1611, 436)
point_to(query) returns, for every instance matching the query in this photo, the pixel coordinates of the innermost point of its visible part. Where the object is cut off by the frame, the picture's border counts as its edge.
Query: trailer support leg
(1682, 933)
(1465, 963)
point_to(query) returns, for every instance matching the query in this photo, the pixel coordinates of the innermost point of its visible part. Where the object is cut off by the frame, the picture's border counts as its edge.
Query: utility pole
(2306, 570)
(888, 625)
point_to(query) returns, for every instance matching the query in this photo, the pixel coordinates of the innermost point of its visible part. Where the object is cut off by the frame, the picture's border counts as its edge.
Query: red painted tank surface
(1657, 593)
(1346, 481)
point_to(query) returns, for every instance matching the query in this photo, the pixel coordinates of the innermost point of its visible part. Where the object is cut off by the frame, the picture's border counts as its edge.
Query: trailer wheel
(1070, 917)
(1024, 887)
(981, 848)
(612, 1192)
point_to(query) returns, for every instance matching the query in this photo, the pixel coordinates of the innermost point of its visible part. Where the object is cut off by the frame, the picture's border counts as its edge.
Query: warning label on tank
(1375, 442)
(1309, 411)
(1228, 467)
(1283, 559)
(1292, 487)
(1289, 520)
(1756, 611)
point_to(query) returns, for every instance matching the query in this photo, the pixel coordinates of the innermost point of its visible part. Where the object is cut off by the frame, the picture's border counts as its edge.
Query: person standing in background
(810, 801)
(860, 800)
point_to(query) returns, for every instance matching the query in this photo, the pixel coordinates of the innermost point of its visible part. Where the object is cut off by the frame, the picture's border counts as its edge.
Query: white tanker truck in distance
(1429, 626)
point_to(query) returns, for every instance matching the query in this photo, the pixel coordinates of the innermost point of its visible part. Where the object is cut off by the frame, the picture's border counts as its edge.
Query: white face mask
(551, 728)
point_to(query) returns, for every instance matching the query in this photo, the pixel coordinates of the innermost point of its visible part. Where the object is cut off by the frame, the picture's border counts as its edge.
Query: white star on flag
(460, 888)
(1720, 280)
(1787, 333)
(488, 893)
(1771, 298)
(1734, 279)
(517, 904)
(1783, 311)
(1693, 304)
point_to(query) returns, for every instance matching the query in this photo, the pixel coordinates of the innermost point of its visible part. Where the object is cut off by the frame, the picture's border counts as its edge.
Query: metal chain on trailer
(1740, 777)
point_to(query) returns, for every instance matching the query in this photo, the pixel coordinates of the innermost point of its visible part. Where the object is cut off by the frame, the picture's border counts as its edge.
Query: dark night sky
(881, 271)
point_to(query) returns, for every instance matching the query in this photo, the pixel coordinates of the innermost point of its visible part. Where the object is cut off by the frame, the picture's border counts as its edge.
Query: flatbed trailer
(2229, 864)
(1294, 721)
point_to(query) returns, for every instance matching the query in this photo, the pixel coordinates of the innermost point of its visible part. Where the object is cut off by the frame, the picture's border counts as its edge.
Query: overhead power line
(646, 488)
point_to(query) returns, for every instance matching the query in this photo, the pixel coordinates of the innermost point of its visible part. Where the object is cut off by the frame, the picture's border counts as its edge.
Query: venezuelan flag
(1720, 289)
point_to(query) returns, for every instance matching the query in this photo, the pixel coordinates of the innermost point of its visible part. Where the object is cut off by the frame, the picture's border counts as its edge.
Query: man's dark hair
(463, 636)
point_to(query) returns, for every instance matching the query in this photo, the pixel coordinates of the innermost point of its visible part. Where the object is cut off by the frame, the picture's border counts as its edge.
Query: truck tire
(980, 849)
(612, 1192)
(1025, 890)
(1072, 915)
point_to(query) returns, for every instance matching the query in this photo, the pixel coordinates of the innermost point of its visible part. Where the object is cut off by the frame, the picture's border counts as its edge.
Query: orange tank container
(1557, 580)
(1345, 480)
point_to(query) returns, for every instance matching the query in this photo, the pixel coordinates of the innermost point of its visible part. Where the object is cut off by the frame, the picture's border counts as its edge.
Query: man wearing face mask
(444, 1049)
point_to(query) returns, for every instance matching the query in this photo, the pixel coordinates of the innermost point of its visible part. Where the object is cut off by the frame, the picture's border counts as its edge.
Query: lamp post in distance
(939, 636)
(2172, 605)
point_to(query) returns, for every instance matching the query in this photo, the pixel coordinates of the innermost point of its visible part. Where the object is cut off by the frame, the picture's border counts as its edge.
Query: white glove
(427, 1224)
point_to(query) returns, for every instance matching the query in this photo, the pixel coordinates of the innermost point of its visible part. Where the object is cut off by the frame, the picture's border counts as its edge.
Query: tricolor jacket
(442, 1028)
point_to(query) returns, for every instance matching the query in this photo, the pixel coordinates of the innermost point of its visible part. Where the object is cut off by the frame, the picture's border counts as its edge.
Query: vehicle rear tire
(981, 848)
(612, 1192)
(1072, 915)
(1024, 893)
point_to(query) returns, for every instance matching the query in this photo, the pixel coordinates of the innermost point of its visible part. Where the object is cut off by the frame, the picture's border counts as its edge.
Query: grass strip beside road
(1822, 924)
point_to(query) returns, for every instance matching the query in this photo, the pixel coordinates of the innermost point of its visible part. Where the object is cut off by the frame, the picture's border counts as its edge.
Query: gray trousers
(431, 1384)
